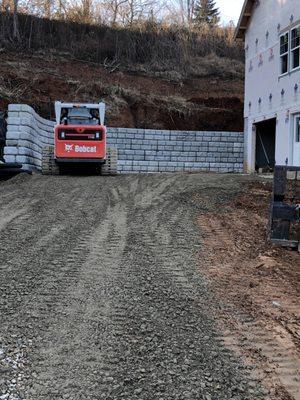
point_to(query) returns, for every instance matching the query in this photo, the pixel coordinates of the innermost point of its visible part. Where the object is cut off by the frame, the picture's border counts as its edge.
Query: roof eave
(244, 20)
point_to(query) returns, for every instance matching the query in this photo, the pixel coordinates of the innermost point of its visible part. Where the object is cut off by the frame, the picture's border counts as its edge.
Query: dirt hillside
(211, 99)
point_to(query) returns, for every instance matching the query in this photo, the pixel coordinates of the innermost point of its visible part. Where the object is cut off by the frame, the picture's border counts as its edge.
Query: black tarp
(2, 133)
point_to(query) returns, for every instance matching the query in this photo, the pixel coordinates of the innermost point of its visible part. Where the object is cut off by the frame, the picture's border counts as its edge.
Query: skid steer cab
(79, 141)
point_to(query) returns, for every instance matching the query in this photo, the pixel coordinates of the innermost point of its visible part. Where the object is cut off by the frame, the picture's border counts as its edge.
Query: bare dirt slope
(259, 286)
(105, 292)
(209, 100)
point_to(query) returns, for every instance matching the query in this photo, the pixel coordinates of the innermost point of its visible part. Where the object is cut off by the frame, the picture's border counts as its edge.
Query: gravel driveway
(101, 296)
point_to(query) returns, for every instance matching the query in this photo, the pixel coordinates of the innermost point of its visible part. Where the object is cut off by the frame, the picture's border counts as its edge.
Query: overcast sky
(230, 9)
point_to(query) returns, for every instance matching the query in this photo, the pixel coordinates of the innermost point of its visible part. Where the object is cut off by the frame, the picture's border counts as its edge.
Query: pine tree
(206, 13)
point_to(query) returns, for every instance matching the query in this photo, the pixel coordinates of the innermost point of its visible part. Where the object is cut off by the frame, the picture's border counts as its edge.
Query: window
(284, 53)
(297, 133)
(295, 48)
(290, 50)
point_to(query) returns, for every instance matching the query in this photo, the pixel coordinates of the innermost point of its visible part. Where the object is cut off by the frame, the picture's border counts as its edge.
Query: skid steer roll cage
(59, 106)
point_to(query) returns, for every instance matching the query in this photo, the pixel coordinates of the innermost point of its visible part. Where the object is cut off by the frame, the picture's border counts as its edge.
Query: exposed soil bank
(261, 282)
(134, 99)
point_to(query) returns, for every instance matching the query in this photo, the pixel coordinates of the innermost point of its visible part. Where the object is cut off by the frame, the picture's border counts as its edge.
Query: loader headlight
(62, 135)
(97, 135)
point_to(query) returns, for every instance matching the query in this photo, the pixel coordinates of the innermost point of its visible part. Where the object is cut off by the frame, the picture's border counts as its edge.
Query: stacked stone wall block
(139, 150)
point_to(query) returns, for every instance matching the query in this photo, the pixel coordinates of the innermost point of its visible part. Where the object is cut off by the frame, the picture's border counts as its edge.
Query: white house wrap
(271, 31)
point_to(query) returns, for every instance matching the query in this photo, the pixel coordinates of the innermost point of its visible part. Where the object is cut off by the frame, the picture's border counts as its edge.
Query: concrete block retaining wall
(27, 133)
(169, 151)
(139, 150)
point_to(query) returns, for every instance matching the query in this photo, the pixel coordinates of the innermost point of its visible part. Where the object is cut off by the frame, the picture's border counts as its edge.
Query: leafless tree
(86, 10)
(81, 11)
(116, 9)
(187, 11)
(7, 5)
(138, 10)
(11, 6)
(45, 8)
(60, 9)
(16, 34)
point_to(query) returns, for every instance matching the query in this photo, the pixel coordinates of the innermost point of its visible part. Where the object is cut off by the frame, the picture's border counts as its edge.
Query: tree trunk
(48, 9)
(16, 34)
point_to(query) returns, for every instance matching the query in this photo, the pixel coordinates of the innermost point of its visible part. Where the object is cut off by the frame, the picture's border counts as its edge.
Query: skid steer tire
(111, 165)
(49, 166)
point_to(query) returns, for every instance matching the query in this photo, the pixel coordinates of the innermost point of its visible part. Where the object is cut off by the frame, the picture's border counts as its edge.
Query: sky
(230, 9)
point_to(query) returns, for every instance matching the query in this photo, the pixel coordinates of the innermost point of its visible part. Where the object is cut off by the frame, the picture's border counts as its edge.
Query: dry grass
(10, 90)
(157, 48)
(218, 67)
(197, 67)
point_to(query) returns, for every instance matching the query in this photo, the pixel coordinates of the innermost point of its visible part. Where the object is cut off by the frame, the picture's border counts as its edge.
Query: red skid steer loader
(79, 141)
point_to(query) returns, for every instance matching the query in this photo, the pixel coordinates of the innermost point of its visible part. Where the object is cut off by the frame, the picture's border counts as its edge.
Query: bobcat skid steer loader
(79, 141)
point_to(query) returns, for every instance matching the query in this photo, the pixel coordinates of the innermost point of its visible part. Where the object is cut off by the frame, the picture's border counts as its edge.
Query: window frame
(290, 53)
(284, 54)
(296, 137)
(293, 49)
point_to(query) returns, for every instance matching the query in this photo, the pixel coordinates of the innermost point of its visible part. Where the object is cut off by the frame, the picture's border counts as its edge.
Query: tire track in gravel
(276, 352)
(171, 349)
(35, 283)
(38, 266)
(72, 344)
